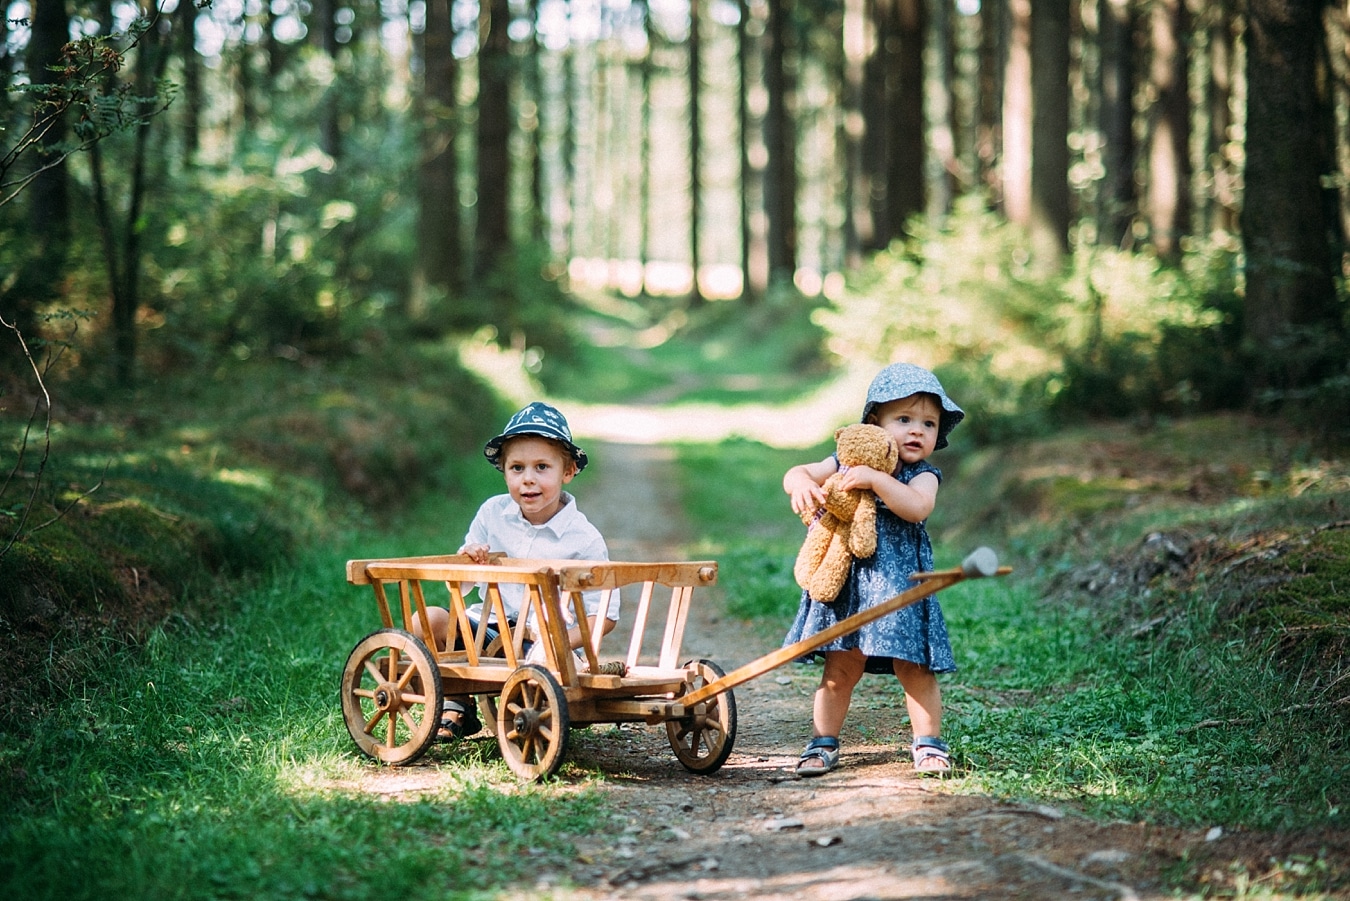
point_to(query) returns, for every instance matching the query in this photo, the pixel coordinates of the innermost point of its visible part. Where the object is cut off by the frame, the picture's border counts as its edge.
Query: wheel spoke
(370, 723)
(369, 664)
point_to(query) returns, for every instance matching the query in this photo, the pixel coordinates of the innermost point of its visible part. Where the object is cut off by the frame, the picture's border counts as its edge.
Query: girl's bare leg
(923, 697)
(843, 669)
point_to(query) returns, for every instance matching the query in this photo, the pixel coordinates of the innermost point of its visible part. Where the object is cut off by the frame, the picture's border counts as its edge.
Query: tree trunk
(752, 288)
(123, 257)
(857, 212)
(440, 253)
(538, 217)
(1292, 316)
(695, 150)
(906, 185)
(1219, 144)
(194, 100)
(48, 195)
(330, 130)
(492, 232)
(645, 147)
(989, 116)
(1049, 220)
(1117, 199)
(1017, 102)
(780, 189)
(1169, 171)
(946, 131)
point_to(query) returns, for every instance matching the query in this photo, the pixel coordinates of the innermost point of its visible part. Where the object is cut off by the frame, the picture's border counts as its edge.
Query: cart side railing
(478, 663)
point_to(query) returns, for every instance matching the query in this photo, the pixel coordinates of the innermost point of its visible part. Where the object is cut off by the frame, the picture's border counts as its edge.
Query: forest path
(872, 829)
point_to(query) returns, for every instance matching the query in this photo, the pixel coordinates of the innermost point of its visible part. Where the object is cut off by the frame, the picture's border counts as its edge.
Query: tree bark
(906, 184)
(1049, 213)
(780, 189)
(1017, 100)
(1117, 199)
(185, 24)
(48, 195)
(857, 212)
(1292, 317)
(440, 255)
(1219, 145)
(1169, 171)
(492, 231)
(695, 151)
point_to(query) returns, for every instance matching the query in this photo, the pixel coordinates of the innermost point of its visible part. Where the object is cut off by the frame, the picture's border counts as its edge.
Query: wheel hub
(527, 722)
(387, 697)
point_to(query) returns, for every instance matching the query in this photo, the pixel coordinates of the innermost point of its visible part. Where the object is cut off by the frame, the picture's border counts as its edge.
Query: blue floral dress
(916, 633)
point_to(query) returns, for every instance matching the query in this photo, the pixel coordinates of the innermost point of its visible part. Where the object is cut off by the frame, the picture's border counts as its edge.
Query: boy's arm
(802, 483)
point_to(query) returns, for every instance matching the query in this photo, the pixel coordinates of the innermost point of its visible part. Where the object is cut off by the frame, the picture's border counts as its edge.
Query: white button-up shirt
(569, 535)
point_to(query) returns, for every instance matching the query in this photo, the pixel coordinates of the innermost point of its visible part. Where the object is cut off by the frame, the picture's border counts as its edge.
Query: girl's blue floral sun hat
(540, 419)
(903, 379)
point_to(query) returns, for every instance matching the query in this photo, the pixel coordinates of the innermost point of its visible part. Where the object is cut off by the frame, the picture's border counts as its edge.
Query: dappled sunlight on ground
(803, 422)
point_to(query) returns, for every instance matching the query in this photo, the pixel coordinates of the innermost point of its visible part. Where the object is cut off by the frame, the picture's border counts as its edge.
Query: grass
(651, 351)
(211, 761)
(1061, 696)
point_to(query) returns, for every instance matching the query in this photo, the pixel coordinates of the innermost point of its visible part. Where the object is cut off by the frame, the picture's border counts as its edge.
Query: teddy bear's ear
(839, 431)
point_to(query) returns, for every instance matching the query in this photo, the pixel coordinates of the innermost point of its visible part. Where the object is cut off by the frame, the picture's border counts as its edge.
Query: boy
(536, 518)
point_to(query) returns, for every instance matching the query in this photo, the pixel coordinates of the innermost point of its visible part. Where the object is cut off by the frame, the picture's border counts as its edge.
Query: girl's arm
(802, 483)
(912, 502)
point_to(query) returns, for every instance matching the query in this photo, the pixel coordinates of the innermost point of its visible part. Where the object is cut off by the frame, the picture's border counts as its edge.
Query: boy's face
(536, 470)
(913, 423)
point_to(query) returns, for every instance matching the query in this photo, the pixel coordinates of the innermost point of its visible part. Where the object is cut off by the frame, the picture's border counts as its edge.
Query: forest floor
(871, 829)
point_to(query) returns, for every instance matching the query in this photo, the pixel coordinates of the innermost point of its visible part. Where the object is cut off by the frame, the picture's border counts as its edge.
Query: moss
(53, 571)
(1302, 597)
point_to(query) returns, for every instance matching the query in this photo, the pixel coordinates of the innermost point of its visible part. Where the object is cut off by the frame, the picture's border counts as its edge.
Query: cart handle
(981, 563)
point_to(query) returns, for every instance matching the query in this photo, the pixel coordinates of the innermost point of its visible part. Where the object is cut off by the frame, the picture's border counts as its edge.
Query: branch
(23, 444)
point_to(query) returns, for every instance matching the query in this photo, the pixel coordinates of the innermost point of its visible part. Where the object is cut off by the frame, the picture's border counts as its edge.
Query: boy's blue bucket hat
(540, 419)
(903, 379)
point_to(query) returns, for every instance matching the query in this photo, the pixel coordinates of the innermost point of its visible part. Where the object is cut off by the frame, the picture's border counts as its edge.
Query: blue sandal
(932, 757)
(824, 748)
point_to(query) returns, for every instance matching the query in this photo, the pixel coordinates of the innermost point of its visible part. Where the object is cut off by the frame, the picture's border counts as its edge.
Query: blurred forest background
(1103, 207)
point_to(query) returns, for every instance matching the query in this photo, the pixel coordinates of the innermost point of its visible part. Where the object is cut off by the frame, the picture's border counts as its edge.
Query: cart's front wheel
(532, 723)
(391, 696)
(703, 737)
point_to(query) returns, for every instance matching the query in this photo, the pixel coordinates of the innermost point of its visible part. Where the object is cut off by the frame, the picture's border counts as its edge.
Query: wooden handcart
(394, 683)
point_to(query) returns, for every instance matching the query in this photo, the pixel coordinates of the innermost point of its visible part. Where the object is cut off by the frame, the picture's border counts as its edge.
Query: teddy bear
(846, 526)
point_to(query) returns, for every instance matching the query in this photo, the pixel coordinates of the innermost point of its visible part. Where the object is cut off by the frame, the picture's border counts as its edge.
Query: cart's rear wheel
(532, 723)
(703, 737)
(391, 696)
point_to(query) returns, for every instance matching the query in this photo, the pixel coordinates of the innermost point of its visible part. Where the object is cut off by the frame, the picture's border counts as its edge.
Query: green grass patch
(1114, 669)
(211, 761)
(651, 351)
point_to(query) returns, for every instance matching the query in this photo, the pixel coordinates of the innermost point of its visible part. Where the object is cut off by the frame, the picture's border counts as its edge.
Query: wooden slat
(590, 576)
(382, 602)
(640, 624)
(675, 621)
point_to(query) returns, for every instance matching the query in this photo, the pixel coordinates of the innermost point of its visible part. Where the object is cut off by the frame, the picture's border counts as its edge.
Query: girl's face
(913, 423)
(536, 470)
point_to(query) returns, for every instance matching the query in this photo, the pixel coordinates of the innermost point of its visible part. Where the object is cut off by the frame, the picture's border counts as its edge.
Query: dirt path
(870, 830)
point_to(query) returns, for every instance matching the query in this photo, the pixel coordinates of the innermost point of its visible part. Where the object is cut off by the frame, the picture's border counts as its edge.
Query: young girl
(909, 403)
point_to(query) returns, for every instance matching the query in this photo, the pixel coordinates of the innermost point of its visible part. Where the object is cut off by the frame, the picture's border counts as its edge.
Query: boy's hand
(477, 552)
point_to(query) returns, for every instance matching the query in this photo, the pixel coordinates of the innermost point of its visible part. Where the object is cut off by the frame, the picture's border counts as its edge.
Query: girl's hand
(862, 477)
(807, 496)
(477, 552)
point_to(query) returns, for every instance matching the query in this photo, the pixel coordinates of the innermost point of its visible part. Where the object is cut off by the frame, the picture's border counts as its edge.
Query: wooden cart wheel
(532, 723)
(703, 737)
(391, 696)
